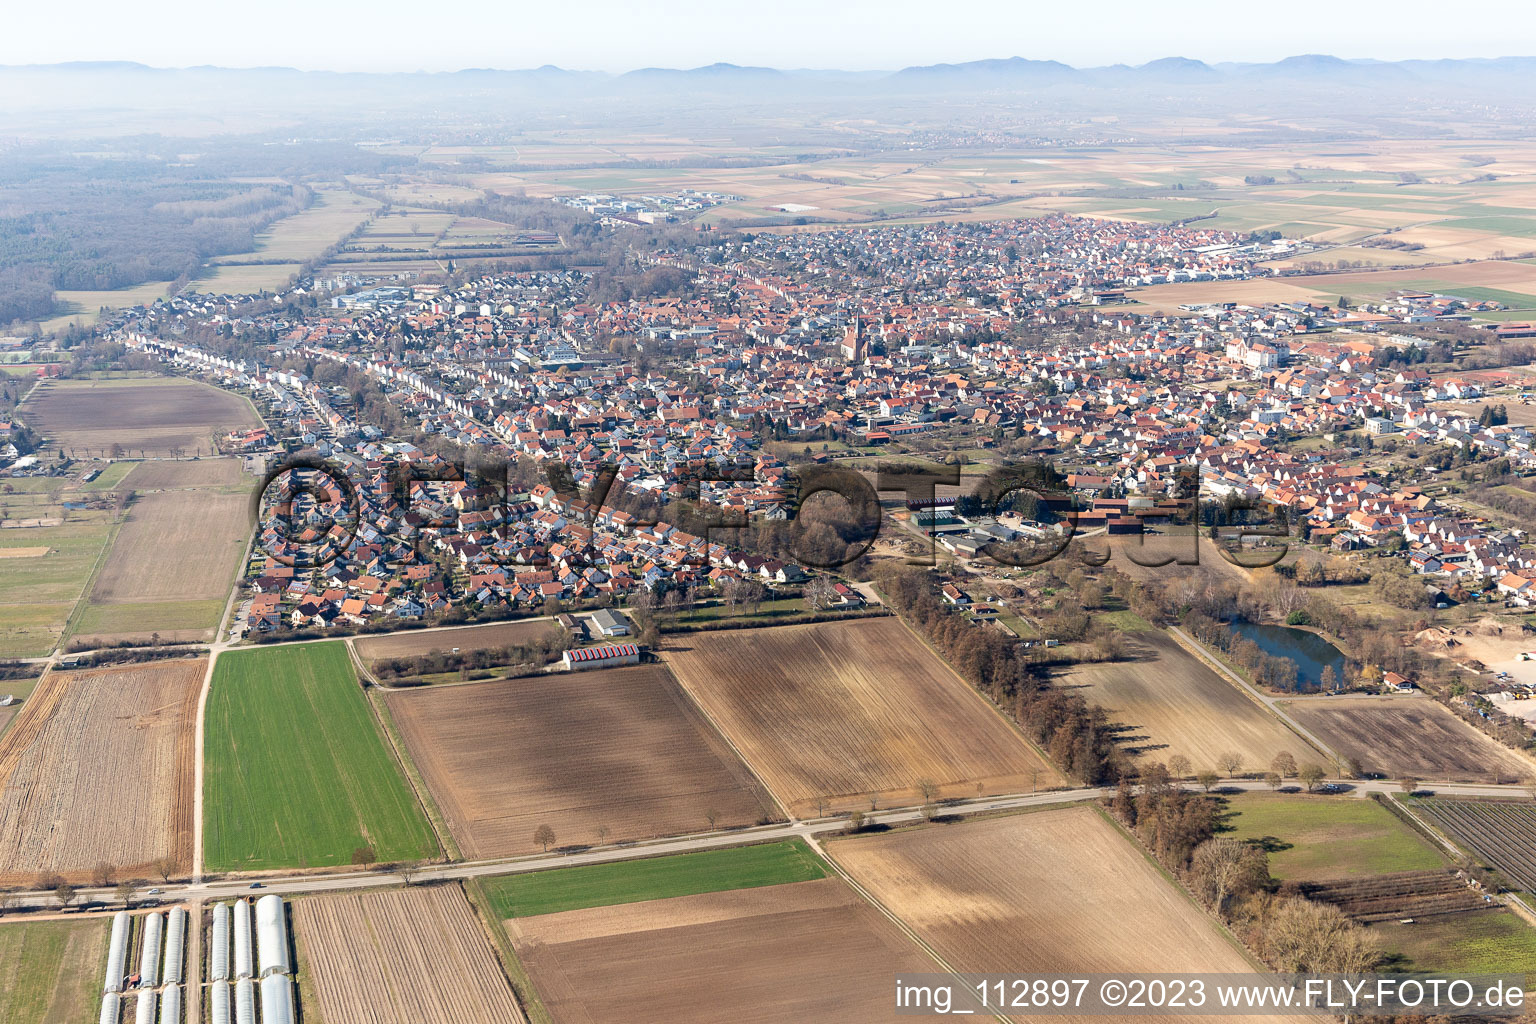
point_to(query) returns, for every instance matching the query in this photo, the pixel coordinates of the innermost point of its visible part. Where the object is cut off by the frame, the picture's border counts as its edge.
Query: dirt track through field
(1059, 891)
(808, 951)
(402, 956)
(97, 768)
(847, 710)
(623, 749)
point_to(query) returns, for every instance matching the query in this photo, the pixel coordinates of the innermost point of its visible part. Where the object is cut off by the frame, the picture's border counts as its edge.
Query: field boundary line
(84, 598)
(1008, 720)
(1195, 648)
(435, 817)
(698, 704)
(1173, 880)
(523, 990)
(199, 804)
(407, 766)
(815, 843)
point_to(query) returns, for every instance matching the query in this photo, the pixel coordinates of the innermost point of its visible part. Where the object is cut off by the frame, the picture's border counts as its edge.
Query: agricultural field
(1425, 192)
(622, 749)
(334, 214)
(151, 416)
(171, 566)
(411, 643)
(811, 951)
(1051, 891)
(1311, 838)
(297, 774)
(1168, 702)
(1408, 737)
(39, 590)
(1515, 284)
(184, 474)
(1502, 834)
(400, 956)
(843, 712)
(1488, 942)
(246, 279)
(51, 972)
(534, 893)
(97, 768)
(1401, 895)
(84, 307)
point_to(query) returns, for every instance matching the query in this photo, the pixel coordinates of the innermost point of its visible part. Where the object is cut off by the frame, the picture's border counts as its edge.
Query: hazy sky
(618, 35)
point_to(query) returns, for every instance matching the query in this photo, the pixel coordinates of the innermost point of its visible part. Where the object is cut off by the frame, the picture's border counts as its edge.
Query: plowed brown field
(1170, 702)
(623, 749)
(402, 956)
(152, 416)
(1058, 891)
(97, 768)
(808, 951)
(1410, 736)
(843, 711)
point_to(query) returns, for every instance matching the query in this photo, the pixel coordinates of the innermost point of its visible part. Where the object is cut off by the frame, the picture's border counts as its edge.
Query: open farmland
(622, 749)
(1169, 702)
(1489, 942)
(1502, 834)
(142, 416)
(97, 768)
(534, 893)
(38, 593)
(1311, 838)
(809, 951)
(844, 711)
(51, 972)
(1410, 736)
(400, 956)
(466, 638)
(297, 774)
(171, 565)
(166, 474)
(284, 246)
(1052, 891)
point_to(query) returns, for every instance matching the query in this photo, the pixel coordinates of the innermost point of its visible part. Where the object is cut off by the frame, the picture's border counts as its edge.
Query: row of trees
(539, 651)
(1076, 735)
(1231, 877)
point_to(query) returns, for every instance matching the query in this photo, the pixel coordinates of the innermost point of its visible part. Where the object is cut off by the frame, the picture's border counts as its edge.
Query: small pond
(1310, 652)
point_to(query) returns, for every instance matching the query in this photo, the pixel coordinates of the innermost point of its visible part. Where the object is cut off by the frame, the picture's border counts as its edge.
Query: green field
(296, 773)
(52, 972)
(1486, 942)
(1312, 838)
(603, 885)
(38, 594)
(149, 616)
(111, 475)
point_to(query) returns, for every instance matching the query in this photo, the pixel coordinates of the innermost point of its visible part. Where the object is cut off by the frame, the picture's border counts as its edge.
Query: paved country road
(311, 883)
